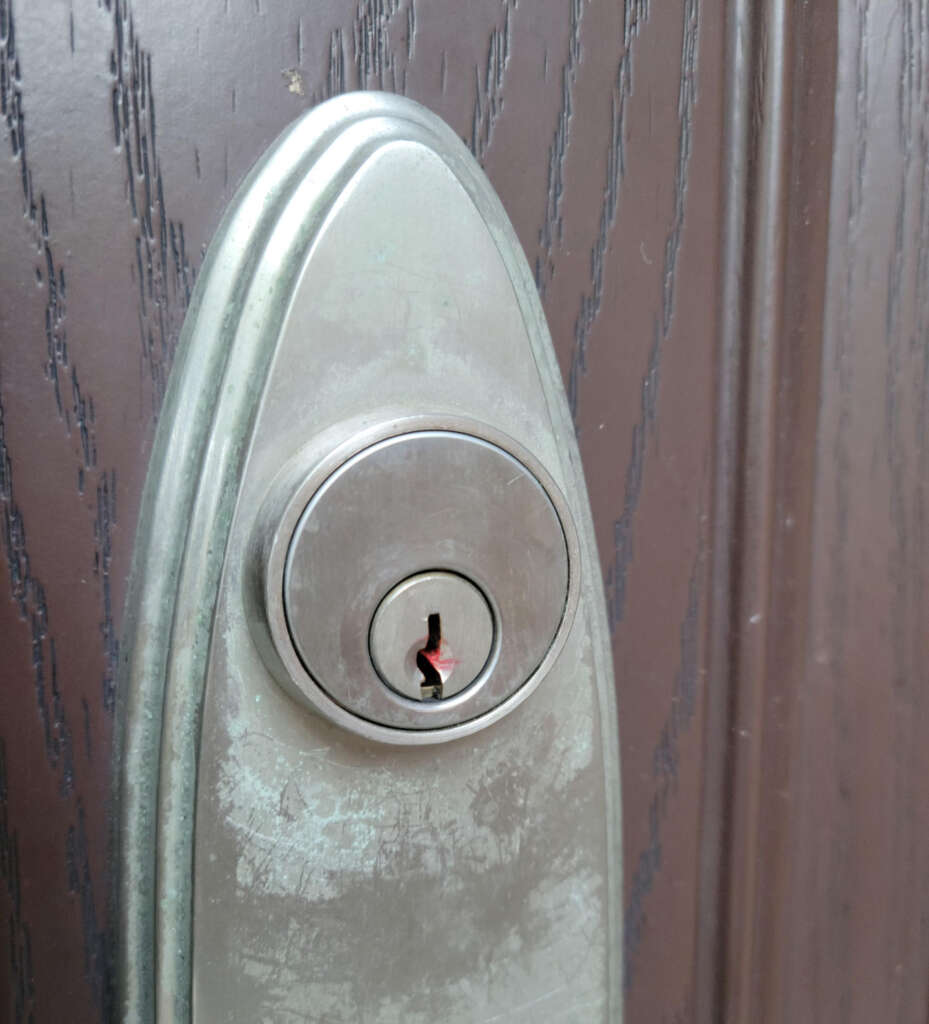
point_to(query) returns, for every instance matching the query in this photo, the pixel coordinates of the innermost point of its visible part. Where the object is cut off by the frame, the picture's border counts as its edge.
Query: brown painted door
(725, 205)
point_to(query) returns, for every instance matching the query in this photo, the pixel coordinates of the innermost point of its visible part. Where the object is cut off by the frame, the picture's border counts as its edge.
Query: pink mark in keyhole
(435, 664)
(444, 666)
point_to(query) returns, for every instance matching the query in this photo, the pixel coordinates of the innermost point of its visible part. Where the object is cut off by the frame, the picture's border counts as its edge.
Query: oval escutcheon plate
(299, 841)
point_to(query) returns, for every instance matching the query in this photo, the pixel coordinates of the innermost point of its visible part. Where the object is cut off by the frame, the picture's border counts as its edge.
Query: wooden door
(725, 205)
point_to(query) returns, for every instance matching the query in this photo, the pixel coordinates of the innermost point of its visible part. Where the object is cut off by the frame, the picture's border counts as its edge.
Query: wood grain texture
(823, 871)
(857, 886)
(128, 128)
(783, 95)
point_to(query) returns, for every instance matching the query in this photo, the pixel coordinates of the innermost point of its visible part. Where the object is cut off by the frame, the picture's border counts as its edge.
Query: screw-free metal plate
(365, 284)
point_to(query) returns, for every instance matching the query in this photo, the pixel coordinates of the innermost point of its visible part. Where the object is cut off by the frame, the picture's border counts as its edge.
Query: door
(723, 208)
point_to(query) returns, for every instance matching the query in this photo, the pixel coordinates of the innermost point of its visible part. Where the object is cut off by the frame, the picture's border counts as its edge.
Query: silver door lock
(423, 584)
(366, 533)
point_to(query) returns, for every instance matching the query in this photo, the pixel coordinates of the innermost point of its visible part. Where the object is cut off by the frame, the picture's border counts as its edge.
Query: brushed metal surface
(367, 262)
(411, 503)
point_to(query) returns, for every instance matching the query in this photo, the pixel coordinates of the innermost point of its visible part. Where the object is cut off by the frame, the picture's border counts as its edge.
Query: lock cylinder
(422, 585)
(459, 640)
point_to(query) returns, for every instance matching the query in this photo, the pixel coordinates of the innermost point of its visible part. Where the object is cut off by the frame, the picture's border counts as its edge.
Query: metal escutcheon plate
(279, 861)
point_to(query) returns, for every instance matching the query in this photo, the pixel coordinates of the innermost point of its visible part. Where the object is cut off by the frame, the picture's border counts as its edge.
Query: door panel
(723, 206)
(599, 127)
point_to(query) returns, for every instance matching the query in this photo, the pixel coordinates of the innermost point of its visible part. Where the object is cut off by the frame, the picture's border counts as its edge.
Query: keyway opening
(431, 685)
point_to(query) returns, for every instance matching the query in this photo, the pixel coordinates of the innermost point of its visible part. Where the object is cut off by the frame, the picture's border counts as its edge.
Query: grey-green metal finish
(273, 865)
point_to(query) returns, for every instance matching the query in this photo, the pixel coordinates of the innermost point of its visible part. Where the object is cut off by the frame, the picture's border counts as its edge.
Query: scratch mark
(488, 88)
(558, 150)
(623, 546)
(96, 946)
(635, 16)
(335, 77)
(164, 273)
(525, 1006)
(665, 762)
(375, 60)
(19, 965)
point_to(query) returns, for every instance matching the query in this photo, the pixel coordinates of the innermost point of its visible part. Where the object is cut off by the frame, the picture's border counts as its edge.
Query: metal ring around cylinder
(330, 667)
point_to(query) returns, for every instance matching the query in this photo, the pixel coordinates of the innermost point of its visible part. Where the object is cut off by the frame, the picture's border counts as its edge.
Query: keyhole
(431, 685)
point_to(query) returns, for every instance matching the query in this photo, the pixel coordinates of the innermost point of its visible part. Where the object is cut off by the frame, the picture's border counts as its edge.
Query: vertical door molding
(814, 893)
(780, 100)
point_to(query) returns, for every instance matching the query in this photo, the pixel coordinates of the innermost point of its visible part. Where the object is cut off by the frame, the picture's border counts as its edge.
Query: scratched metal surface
(127, 129)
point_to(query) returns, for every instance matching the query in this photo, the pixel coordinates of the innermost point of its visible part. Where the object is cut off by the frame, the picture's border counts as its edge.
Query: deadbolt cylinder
(469, 522)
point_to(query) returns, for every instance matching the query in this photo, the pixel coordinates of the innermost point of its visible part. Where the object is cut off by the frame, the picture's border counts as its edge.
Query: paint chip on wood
(294, 80)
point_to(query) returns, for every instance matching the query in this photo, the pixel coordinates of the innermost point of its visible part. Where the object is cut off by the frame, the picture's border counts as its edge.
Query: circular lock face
(432, 636)
(425, 582)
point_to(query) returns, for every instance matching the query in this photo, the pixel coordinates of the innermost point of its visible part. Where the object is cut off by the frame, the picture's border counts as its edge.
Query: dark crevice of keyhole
(431, 686)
